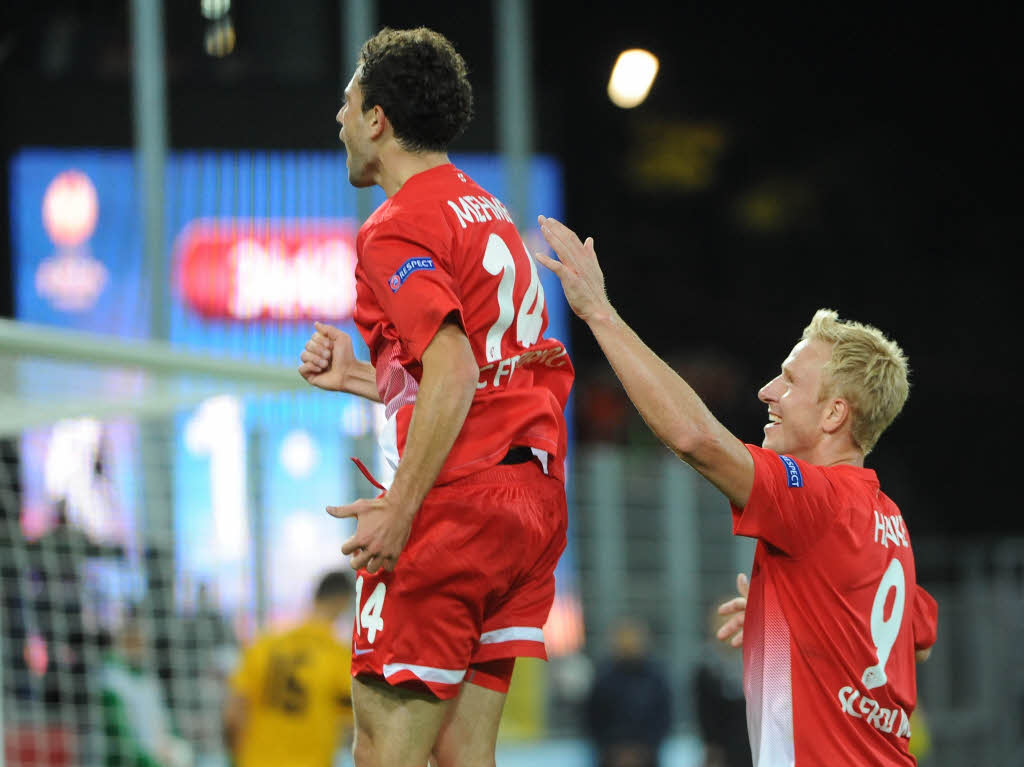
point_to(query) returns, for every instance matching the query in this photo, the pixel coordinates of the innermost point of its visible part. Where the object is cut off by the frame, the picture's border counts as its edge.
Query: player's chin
(772, 440)
(358, 175)
(359, 180)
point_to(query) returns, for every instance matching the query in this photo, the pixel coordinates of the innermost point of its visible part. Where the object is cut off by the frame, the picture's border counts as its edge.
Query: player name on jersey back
(479, 208)
(860, 706)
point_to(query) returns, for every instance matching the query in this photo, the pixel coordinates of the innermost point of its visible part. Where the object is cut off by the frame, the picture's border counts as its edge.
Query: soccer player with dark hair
(456, 559)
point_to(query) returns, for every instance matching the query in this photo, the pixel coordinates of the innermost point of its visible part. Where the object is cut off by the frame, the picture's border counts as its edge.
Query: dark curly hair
(421, 82)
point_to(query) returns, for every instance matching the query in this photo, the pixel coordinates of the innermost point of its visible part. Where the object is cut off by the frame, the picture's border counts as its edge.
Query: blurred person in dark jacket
(629, 707)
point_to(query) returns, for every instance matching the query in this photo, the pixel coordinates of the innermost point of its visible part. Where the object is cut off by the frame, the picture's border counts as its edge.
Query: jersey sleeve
(792, 505)
(926, 619)
(409, 273)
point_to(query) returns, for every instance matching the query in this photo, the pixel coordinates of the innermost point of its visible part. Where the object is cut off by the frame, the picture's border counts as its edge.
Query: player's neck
(326, 615)
(398, 166)
(835, 453)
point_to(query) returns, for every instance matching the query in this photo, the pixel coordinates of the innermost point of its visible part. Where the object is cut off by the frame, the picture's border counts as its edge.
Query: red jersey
(833, 619)
(443, 248)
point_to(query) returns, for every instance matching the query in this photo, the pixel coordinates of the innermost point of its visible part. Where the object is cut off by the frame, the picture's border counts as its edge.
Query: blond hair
(866, 369)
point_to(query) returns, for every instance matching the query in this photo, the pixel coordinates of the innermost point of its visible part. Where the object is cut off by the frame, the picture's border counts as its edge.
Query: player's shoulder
(317, 633)
(257, 647)
(431, 189)
(888, 503)
(843, 479)
(421, 220)
(272, 640)
(461, 184)
(857, 488)
(790, 482)
(794, 472)
(450, 196)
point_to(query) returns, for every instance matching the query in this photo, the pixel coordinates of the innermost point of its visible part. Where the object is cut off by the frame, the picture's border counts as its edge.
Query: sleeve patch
(410, 266)
(793, 476)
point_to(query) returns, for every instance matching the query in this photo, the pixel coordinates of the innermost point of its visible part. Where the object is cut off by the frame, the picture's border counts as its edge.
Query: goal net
(156, 507)
(171, 500)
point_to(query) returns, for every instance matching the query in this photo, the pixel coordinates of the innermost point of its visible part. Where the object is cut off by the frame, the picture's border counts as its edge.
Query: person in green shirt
(136, 721)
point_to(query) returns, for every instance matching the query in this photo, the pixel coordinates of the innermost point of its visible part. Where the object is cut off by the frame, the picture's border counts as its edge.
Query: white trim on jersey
(513, 634)
(771, 723)
(387, 439)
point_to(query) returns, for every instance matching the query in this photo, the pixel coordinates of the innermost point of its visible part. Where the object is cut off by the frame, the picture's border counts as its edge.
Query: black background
(891, 137)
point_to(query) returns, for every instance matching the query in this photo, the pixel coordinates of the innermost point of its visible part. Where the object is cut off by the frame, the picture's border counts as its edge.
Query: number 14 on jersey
(368, 616)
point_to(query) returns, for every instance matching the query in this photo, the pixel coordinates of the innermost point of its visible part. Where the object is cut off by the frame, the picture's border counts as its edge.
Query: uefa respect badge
(412, 265)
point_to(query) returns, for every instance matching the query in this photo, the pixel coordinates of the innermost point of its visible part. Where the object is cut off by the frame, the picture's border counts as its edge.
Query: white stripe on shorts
(427, 673)
(512, 634)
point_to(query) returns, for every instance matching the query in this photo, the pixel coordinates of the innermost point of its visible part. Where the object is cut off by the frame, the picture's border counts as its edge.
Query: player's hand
(577, 268)
(731, 631)
(382, 528)
(327, 358)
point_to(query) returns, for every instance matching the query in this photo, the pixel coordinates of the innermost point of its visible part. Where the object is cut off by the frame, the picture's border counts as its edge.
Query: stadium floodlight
(214, 9)
(632, 77)
(220, 38)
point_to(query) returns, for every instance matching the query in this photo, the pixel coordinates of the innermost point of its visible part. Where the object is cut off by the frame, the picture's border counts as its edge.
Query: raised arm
(667, 403)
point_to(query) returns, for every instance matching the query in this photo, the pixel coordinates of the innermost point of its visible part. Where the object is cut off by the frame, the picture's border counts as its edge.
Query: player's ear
(378, 121)
(837, 414)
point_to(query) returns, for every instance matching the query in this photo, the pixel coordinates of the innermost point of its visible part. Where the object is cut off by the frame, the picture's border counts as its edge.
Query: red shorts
(474, 583)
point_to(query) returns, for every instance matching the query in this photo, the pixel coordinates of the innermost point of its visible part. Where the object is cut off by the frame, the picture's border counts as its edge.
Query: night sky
(783, 162)
(893, 142)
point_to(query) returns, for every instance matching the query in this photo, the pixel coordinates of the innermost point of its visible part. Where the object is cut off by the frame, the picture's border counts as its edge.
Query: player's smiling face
(796, 411)
(355, 134)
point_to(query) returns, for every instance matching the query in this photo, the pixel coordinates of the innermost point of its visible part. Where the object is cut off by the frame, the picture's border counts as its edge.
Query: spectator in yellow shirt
(290, 697)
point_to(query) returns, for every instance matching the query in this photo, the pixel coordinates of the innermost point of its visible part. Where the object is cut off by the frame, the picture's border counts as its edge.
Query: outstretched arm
(667, 403)
(328, 362)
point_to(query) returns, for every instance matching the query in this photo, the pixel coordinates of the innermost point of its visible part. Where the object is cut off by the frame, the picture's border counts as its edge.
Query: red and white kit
(833, 619)
(476, 580)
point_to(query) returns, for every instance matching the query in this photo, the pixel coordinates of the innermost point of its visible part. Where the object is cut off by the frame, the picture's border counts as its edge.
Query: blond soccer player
(834, 615)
